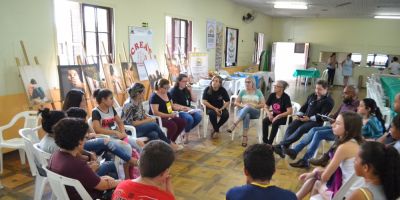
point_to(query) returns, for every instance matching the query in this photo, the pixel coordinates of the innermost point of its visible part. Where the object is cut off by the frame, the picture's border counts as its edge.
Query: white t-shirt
(394, 68)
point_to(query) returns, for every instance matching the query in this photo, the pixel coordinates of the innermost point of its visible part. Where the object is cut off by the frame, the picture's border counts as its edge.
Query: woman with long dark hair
(74, 98)
(373, 123)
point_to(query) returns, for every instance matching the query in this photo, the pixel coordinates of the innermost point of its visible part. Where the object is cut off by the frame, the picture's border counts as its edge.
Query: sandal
(244, 144)
(230, 130)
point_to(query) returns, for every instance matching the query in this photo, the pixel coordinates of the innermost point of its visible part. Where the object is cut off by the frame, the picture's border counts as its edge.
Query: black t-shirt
(162, 105)
(216, 98)
(181, 97)
(279, 105)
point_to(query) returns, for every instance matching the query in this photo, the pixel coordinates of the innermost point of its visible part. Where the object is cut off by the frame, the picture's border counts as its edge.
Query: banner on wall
(211, 34)
(140, 48)
(219, 45)
(198, 63)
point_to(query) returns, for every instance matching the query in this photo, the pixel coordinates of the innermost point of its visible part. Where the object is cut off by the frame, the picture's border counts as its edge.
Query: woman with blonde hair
(250, 101)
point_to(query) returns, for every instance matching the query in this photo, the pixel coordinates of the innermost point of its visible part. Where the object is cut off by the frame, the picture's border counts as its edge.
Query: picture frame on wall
(231, 46)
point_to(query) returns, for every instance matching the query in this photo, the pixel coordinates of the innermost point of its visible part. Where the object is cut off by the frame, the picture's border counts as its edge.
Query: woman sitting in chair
(216, 100)
(70, 136)
(250, 102)
(134, 114)
(281, 106)
(161, 105)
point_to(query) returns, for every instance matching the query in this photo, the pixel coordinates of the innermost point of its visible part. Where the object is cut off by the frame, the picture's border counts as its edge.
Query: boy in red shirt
(155, 181)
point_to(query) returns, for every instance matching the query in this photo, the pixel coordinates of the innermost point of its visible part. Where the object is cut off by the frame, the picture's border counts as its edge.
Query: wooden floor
(205, 169)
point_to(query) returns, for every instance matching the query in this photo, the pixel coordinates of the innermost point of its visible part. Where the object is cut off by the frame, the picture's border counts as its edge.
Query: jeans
(214, 121)
(174, 127)
(314, 136)
(331, 76)
(274, 129)
(152, 131)
(107, 168)
(191, 120)
(296, 129)
(117, 147)
(246, 114)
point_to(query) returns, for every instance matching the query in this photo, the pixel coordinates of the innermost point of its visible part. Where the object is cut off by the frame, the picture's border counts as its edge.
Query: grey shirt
(48, 144)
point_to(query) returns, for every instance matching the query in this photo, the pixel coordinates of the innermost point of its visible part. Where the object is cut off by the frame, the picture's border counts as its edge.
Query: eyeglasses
(247, 81)
(167, 87)
(278, 86)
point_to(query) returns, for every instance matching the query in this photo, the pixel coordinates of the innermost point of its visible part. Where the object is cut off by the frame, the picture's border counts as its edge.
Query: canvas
(35, 84)
(153, 71)
(92, 76)
(128, 73)
(113, 75)
(70, 77)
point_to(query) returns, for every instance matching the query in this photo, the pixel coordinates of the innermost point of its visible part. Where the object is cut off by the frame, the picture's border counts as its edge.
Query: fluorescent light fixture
(290, 5)
(387, 17)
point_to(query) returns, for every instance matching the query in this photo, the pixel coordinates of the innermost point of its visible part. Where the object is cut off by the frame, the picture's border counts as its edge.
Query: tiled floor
(205, 169)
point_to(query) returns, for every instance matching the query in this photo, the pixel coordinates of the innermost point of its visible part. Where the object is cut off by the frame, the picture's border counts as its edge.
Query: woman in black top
(281, 107)
(216, 99)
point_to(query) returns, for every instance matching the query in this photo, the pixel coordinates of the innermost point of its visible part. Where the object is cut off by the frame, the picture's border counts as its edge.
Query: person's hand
(275, 118)
(305, 176)
(140, 143)
(217, 111)
(185, 109)
(91, 135)
(270, 116)
(304, 119)
(172, 115)
(150, 119)
(120, 135)
(168, 184)
(93, 156)
(93, 165)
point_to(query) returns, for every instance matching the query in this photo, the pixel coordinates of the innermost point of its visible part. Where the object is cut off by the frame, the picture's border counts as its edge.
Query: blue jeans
(314, 136)
(191, 120)
(295, 130)
(107, 168)
(118, 148)
(152, 131)
(246, 114)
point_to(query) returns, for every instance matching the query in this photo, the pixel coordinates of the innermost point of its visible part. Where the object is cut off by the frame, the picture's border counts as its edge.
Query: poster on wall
(153, 71)
(70, 77)
(211, 34)
(140, 48)
(219, 46)
(198, 63)
(231, 46)
(113, 75)
(92, 77)
(35, 84)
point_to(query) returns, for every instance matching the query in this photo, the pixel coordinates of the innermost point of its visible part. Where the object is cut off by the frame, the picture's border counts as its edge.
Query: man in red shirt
(155, 181)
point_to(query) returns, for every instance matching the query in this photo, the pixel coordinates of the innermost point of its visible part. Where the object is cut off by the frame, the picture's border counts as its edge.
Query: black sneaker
(300, 164)
(278, 150)
(291, 153)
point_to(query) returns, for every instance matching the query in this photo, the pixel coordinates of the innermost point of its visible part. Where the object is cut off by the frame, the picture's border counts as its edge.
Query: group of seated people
(360, 146)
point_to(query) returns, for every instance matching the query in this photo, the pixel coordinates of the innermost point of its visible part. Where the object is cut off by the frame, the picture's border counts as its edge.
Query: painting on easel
(153, 71)
(92, 76)
(114, 79)
(70, 78)
(35, 84)
(127, 71)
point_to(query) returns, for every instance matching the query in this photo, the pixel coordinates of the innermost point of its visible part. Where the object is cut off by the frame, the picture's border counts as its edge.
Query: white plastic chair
(282, 128)
(341, 194)
(258, 124)
(31, 121)
(58, 183)
(239, 85)
(30, 137)
(146, 107)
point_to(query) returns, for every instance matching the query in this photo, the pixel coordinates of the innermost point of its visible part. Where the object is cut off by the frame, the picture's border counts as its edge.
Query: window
(178, 37)
(82, 26)
(258, 48)
(97, 32)
(377, 60)
(356, 58)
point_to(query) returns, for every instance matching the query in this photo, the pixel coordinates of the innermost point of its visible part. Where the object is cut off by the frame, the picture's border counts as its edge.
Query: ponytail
(374, 110)
(385, 162)
(101, 94)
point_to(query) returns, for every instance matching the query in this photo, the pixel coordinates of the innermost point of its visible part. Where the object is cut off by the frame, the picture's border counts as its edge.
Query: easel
(88, 95)
(26, 58)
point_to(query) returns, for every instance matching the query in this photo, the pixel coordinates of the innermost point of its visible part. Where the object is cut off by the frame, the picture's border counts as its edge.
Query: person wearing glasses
(281, 106)
(161, 105)
(182, 96)
(216, 99)
(249, 101)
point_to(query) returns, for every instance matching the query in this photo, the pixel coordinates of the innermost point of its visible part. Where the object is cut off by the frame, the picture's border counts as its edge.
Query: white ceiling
(327, 8)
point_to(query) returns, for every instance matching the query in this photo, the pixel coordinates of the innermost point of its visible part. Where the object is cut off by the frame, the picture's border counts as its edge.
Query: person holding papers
(182, 96)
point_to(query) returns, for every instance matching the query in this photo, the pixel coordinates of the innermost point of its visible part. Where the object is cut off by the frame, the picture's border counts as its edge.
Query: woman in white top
(347, 69)
(379, 166)
(347, 128)
(249, 102)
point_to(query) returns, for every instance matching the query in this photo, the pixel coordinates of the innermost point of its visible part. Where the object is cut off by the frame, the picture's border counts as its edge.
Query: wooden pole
(109, 60)
(125, 55)
(24, 52)
(79, 60)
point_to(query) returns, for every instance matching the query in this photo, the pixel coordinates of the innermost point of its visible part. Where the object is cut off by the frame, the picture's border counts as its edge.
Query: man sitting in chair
(319, 102)
(317, 134)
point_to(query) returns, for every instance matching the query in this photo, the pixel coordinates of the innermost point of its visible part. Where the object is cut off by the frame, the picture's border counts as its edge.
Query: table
(391, 87)
(306, 73)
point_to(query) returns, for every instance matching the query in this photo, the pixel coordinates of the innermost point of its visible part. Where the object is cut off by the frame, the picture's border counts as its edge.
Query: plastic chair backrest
(296, 107)
(345, 187)
(58, 183)
(30, 137)
(30, 121)
(41, 156)
(241, 85)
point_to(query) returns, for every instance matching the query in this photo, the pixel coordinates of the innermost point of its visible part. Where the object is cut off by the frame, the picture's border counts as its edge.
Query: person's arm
(326, 108)
(106, 183)
(143, 121)
(156, 112)
(383, 138)
(341, 154)
(357, 195)
(120, 124)
(98, 128)
(238, 101)
(226, 99)
(304, 107)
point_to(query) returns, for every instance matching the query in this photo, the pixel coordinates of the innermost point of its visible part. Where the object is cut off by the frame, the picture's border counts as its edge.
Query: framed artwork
(114, 78)
(70, 77)
(92, 76)
(231, 46)
(35, 84)
(198, 63)
(153, 71)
